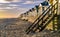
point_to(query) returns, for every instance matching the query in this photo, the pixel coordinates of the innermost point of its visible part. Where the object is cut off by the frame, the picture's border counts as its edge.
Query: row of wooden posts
(36, 11)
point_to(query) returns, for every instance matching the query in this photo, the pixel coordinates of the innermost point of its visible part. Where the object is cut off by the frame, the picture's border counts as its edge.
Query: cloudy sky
(13, 8)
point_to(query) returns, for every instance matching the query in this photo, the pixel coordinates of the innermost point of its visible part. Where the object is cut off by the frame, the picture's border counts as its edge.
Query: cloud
(8, 6)
(15, 1)
(33, 2)
(14, 5)
(0, 4)
(29, 2)
(3, 1)
(5, 8)
(9, 1)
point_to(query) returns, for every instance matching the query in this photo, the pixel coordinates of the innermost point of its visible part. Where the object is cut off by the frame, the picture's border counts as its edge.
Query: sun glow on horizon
(3, 14)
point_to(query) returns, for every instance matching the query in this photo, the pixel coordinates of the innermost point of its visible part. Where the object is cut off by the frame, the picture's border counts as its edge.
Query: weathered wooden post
(45, 4)
(58, 17)
(55, 13)
(37, 8)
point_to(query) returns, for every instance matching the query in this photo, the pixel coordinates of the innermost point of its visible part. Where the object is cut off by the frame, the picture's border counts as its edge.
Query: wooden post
(55, 17)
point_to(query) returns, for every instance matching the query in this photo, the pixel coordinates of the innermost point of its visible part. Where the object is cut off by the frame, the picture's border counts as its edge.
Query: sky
(13, 8)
